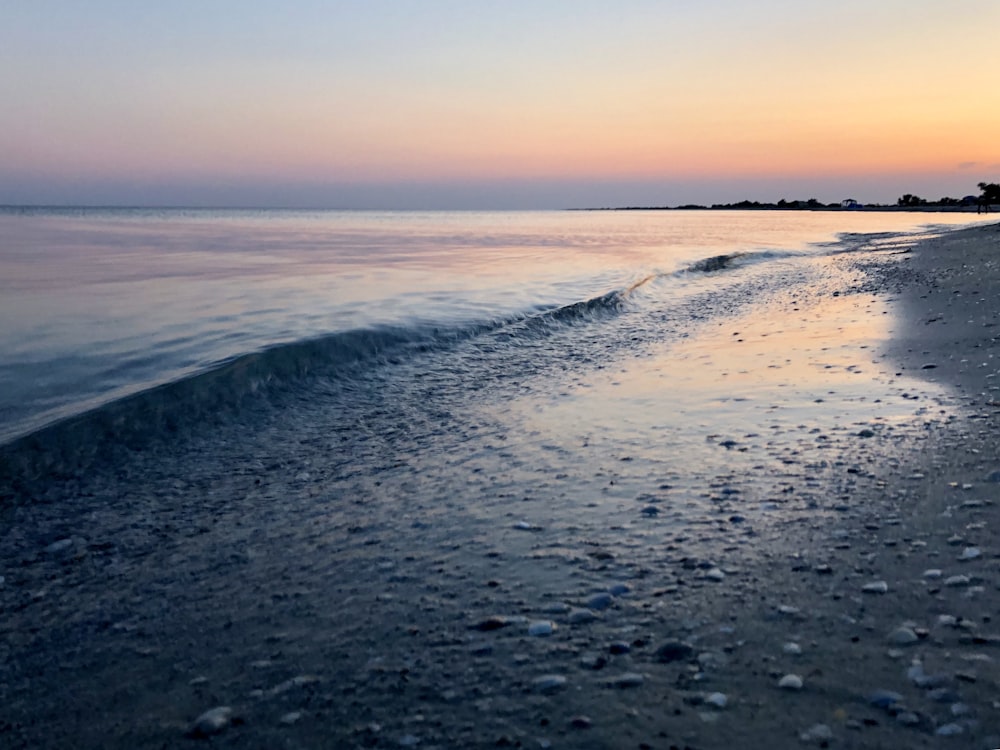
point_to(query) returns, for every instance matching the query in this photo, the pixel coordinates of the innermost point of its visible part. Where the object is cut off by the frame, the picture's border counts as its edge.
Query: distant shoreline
(774, 207)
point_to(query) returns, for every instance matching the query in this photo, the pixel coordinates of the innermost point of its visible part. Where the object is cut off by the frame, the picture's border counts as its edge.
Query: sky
(460, 104)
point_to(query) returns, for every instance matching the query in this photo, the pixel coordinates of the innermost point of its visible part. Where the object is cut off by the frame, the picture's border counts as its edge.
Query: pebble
(715, 574)
(292, 717)
(580, 722)
(970, 553)
(791, 649)
(876, 587)
(903, 637)
(817, 733)
(541, 628)
(960, 709)
(949, 730)
(787, 609)
(213, 721)
(628, 680)
(790, 682)
(619, 647)
(619, 589)
(600, 601)
(933, 573)
(943, 695)
(673, 651)
(493, 622)
(957, 581)
(297, 681)
(593, 661)
(711, 661)
(884, 698)
(719, 700)
(549, 683)
(581, 616)
(59, 546)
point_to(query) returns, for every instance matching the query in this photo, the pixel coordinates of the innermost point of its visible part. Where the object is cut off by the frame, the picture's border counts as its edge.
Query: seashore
(441, 604)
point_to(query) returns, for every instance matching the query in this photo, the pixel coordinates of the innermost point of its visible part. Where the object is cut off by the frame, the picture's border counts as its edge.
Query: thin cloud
(968, 164)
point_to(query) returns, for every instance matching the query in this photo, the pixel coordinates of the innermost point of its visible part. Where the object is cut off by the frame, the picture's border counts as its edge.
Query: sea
(192, 313)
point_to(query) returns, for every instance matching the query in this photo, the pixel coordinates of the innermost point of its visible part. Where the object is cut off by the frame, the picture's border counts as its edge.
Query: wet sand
(835, 584)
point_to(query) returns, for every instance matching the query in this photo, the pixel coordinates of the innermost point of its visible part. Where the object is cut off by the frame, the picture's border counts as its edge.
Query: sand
(155, 589)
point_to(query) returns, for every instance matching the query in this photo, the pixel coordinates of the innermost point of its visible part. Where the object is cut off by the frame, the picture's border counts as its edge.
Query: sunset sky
(509, 104)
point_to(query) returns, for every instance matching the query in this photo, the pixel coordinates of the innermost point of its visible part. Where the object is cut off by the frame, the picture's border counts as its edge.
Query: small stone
(790, 682)
(908, 718)
(525, 526)
(817, 733)
(297, 681)
(719, 700)
(791, 649)
(619, 589)
(903, 636)
(541, 628)
(628, 680)
(211, 722)
(619, 647)
(581, 616)
(549, 683)
(580, 722)
(600, 601)
(715, 574)
(711, 661)
(876, 587)
(292, 717)
(593, 661)
(673, 651)
(970, 553)
(942, 695)
(59, 546)
(949, 730)
(932, 573)
(823, 570)
(884, 698)
(955, 581)
(787, 609)
(960, 709)
(493, 622)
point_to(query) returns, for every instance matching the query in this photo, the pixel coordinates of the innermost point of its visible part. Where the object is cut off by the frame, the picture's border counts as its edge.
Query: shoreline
(142, 597)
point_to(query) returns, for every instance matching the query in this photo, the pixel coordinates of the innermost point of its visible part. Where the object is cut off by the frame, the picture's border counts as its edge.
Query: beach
(557, 559)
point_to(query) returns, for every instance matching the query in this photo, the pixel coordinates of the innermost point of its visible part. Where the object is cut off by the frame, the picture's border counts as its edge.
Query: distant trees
(990, 192)
(911, 200)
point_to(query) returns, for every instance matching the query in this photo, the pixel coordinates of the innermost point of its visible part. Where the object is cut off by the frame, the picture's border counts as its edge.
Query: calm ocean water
(100, 304)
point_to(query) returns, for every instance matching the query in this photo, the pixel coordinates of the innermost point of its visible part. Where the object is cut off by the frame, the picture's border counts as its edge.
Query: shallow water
(99, 304)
